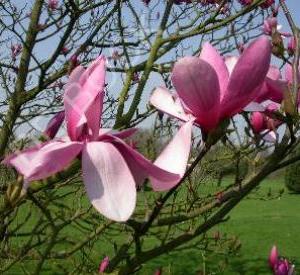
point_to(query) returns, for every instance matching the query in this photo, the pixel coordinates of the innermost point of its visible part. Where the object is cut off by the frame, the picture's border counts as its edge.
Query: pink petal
(142, 167)
(108, 181)
(213, 58)
(276, 89)
(83, 100)
(104, 264)
(247, 77)
(44, 160)
(289, 73)
(124, 133)
(273, 257)
(163, 100)
(54, 124)
(95, 85)
(274, 73)
(105, 133)
(257, 122)
(75, 76)
(175, 156)
(197, 84)
(75, 117)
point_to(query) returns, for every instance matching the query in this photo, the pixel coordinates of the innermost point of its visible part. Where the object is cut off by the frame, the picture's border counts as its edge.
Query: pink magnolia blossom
(52, 4)
(270, 25)
(273, 257)
(210, 89)
(104, 264)
(64, 50)
(115, 56)
(280, 265)
(257, 122)
(267, 4)
(263, 123)
(15, 50)
(111, 169)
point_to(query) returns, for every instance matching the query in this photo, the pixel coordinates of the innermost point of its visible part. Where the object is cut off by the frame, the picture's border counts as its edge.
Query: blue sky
(294, 7)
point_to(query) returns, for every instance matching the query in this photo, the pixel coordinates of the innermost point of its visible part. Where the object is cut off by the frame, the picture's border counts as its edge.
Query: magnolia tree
(81, 188)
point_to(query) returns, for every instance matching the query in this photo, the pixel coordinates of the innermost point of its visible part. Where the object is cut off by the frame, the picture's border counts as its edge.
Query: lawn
(257, 222)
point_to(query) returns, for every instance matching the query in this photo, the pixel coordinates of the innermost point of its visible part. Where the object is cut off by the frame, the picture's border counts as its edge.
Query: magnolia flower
(210, 90)
(279, 265)
(267, 4)
(270, 25)
(64, 50)
(52, 4)
(15, 50)
(273, 257)
(104, 264)
(262, 122)
(111, 169)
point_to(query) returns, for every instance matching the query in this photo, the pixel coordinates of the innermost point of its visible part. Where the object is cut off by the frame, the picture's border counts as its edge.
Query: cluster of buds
(280, 265)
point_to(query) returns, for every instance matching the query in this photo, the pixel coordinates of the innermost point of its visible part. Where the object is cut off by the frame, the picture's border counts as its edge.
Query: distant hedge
(292, 174)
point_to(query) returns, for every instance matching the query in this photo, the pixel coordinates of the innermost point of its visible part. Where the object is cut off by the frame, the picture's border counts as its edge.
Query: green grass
(257, 223)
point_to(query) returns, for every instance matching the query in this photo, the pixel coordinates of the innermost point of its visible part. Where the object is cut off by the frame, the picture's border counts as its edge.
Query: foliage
(292, 174)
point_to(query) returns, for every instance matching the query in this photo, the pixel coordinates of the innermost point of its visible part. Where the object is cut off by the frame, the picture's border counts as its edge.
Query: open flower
(210, 89)
(111, 168)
